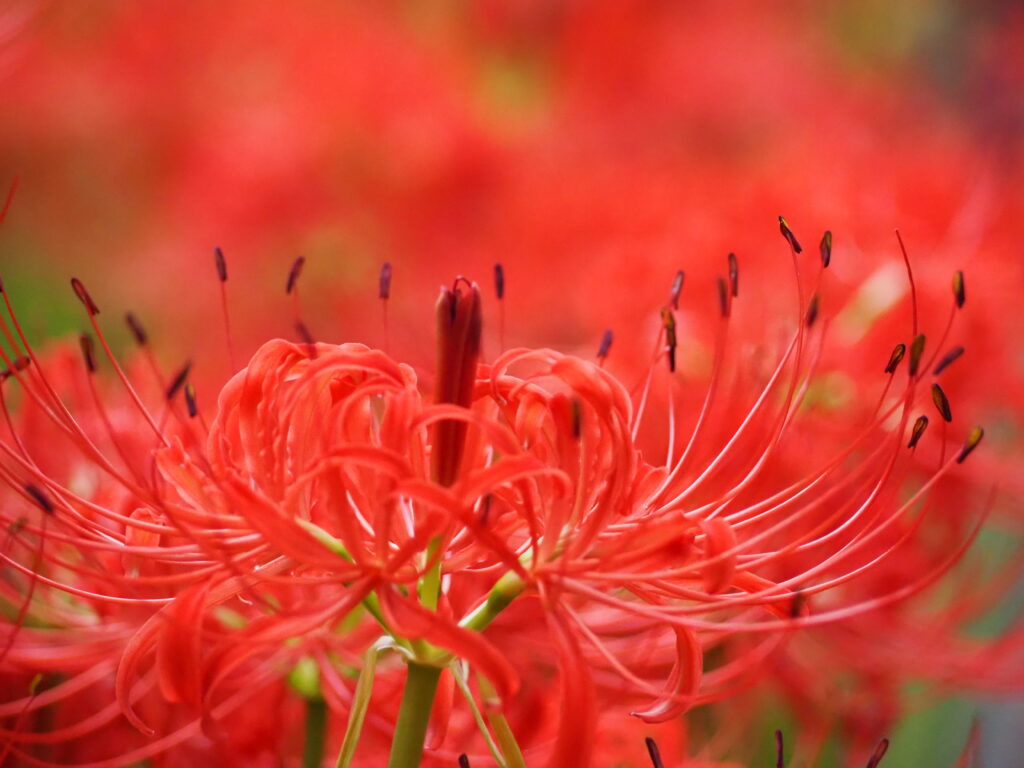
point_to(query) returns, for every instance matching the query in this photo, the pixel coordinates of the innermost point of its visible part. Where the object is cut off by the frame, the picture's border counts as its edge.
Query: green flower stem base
(414, 716)
(316, 732)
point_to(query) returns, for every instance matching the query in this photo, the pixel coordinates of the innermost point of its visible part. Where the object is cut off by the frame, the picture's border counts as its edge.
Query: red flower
(510, 527)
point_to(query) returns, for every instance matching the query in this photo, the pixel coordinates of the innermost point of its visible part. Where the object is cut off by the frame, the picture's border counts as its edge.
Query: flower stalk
(305, 680)
(505, 590)
(316, 733)
(414, 716)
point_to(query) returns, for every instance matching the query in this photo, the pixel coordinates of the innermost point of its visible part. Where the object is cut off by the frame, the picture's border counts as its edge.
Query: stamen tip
(894, 359)
(723, 297)
(916, 350)
(677, 289)
(826, 248)
(606, 344)
(790, 237)
(40, 498)
(190, 400)
(878, 754)
(84, 297)
(499, 281)
(812, 311)
(138, 332)
(222, 265)
(577, 418)
(384, 281)
(948, 359)
(941, 403)
(919, 427)
(293, 274)
(178, 381)
(973, 438)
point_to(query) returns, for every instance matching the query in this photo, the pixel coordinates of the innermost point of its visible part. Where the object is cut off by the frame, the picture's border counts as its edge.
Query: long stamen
(825, 247)
(56, 411)
(92, 310)
(959, 297)
(910, 278)
(605, 347)
(43, 502)
(89, 356)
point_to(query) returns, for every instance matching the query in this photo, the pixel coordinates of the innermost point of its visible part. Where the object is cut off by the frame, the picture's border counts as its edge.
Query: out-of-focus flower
(330, 520)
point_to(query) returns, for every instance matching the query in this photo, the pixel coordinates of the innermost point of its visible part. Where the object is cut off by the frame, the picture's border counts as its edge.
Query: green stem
(505, 590)
(316, 732)
(430, 586)
(414, 716)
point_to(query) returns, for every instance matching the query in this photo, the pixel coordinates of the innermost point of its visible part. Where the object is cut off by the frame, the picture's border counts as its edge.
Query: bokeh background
(591, 146)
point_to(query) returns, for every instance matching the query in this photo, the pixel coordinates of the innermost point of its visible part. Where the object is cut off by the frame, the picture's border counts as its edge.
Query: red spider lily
(509, 528)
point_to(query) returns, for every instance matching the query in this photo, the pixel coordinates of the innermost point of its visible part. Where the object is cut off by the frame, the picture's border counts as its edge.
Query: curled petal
(683, 682)
(497, 434)
(140, 644)
(178, 649)
(509, 470)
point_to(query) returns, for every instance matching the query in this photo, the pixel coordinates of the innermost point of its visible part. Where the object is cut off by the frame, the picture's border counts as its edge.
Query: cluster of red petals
(164, 569)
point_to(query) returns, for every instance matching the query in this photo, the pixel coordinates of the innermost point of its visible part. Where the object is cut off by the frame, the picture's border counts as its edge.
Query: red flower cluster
(332, 529)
